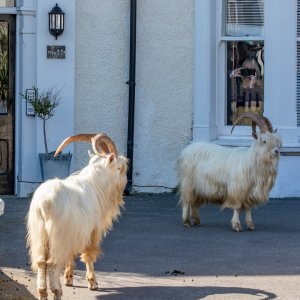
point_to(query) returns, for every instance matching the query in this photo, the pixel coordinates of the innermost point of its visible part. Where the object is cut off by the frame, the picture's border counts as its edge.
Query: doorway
(7, 103)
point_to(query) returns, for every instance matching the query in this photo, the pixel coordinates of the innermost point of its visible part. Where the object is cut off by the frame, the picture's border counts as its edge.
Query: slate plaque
(30, 94)
(56, 52)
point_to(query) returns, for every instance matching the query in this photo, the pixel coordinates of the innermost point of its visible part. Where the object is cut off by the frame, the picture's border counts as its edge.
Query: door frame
(11, 20)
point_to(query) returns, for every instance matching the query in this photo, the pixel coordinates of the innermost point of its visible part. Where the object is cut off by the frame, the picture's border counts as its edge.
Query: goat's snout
(276, 151)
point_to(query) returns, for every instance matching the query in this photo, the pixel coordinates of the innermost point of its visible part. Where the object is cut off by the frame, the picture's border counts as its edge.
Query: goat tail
(37, 239)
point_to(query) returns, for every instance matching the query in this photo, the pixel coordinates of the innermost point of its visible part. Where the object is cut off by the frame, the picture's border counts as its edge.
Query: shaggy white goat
(238, 178)
(71, 216)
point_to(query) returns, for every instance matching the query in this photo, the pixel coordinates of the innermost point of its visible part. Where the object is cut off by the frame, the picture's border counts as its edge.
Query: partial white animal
(238, 178)
(71, 216)
(2, 206)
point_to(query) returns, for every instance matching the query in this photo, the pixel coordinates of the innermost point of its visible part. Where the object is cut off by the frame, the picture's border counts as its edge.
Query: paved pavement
(148, 244)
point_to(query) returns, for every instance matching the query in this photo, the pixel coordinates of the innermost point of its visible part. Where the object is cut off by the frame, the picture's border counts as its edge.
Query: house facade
(198, 65)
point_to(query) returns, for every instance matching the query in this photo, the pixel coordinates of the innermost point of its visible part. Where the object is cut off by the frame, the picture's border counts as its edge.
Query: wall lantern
(56, 21)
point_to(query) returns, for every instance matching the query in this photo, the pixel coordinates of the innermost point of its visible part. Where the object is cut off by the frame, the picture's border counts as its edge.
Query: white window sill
(286, 150)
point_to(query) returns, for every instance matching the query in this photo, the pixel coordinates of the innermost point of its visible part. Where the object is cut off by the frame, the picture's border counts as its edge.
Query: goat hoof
(56, 294)
(237, 227)
(197, 222)
(92, 284)
(187, 224)
(68, 281)
(250, 226)
(94, 288)
(43, 295)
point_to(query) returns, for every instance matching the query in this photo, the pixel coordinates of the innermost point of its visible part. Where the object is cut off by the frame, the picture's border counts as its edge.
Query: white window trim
(209, 84)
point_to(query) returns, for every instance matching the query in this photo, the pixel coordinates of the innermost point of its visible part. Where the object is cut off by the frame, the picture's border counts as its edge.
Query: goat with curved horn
(77, 211)
(239, 178)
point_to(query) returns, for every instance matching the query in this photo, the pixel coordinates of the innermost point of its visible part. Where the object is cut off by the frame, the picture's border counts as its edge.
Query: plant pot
(52, 167)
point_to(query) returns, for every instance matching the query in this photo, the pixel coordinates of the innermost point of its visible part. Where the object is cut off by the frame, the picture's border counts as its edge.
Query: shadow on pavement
(10, 289)
(187, 292)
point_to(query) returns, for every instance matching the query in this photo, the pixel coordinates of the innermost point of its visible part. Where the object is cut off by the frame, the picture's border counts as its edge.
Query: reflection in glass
(3, 67)
(245, 79)
(7, 3)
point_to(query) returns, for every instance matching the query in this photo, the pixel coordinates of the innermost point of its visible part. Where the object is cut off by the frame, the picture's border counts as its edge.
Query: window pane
(7, 3)
(244, 17)
(245, 79)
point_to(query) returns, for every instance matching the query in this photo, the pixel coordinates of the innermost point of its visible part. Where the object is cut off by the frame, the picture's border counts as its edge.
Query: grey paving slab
(148, 243)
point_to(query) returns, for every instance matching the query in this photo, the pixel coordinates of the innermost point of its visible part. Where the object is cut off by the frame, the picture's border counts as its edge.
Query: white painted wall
(57, 73)
(102, 43)
(164, 90)
(163, 115)
(26, 161)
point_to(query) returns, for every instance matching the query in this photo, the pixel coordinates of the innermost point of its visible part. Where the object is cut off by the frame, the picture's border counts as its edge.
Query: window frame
(224, 131)
(298, 67)
(209, 92)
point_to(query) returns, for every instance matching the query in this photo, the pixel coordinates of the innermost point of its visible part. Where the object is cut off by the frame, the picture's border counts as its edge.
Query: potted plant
(44, 104)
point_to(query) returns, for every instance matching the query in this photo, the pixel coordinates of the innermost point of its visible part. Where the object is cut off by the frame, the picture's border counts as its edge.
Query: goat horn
(270, 127)
(254, 133)
(85, 137)
(262, 122)
(100, 139)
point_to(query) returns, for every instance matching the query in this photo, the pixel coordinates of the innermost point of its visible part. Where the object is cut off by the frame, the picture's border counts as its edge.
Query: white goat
(71, 216)
(238, 178)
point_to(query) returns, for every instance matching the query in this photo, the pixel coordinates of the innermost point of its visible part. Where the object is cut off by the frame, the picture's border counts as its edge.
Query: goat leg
(235, 221)
(195, 214)
(249, 222)
(69, 274)
(186, 215)
(41, 281)
(54, 281)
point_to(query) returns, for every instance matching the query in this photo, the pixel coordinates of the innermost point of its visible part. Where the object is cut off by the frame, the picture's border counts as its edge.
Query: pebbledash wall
(163, 110)
(178, 88)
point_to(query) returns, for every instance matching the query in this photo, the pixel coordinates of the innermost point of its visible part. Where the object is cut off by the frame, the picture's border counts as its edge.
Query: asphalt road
(150, 255)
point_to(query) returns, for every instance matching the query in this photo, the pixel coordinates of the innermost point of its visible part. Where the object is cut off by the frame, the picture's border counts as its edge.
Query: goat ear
(111, 157)
(90, 153)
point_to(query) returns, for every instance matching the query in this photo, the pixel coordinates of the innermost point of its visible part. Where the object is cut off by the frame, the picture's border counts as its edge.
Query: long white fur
(237, 178)
(64, 214)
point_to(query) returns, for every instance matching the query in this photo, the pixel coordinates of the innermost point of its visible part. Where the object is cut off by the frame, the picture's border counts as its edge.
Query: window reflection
(3, 67)
(245, 80)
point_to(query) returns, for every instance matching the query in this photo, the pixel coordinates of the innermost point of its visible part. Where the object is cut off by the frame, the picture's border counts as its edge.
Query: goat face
(269, 144)
(118, 165)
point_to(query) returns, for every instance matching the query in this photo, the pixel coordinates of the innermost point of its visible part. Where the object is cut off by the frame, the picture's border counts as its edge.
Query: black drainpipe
(131, 83)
